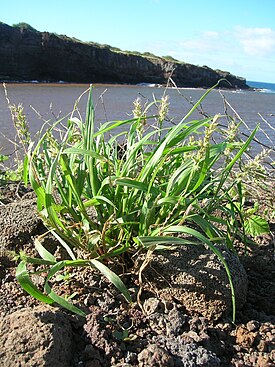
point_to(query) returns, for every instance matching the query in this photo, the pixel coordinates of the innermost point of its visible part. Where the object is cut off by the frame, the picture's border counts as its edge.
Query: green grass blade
(177, 135)
(112, 277)
(171, 200)
(205, 225)
(25, 170)
(197, 104)
(148, 241)
(45, 254)
(24, 280)
(60, 300)
(86, 152)
(132, 153)
(64, 244)
(129, 182)
(71, 180)
(37, 187)
(111, 125)
(179, 150)
(98, 200)
(242, 150)
(89, 145)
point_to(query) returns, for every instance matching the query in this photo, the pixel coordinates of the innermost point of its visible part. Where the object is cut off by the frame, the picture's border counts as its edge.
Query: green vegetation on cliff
(24, 26)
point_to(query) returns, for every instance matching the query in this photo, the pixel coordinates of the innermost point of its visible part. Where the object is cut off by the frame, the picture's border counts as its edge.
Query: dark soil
(115, 333)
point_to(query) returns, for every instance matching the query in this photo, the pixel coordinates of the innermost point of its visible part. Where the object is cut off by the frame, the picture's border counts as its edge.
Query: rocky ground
(188, 326)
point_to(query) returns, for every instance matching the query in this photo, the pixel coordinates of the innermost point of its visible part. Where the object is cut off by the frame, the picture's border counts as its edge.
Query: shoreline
(110, 84)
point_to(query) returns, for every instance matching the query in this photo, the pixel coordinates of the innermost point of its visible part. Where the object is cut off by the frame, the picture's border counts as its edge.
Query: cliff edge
(27, 55)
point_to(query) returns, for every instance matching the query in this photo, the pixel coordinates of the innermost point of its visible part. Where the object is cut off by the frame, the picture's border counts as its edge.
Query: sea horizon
(263, 87)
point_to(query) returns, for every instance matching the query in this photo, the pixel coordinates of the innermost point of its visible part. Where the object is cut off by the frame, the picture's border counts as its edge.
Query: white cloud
(239, 50)
(258, 42)
(211, 34)
(207, 41)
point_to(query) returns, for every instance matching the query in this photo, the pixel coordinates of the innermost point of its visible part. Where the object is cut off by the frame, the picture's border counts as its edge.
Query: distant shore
(110, 84)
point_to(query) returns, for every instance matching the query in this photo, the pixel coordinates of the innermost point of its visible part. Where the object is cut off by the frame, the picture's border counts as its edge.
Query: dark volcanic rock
(18, 222)
(195, 277)
(27, 55)
(38, 337)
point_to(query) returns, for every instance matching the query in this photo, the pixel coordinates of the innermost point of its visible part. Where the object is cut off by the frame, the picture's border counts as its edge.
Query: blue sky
(233, 35)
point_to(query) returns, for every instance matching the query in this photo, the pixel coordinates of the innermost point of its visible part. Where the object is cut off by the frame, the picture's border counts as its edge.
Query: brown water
(113, 102)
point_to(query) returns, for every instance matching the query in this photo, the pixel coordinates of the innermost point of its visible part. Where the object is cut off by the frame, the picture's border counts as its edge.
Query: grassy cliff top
(27, 27)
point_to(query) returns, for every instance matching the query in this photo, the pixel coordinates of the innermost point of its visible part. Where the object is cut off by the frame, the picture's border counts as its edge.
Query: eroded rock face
(35, 337)
(195, 277)
(32, 55)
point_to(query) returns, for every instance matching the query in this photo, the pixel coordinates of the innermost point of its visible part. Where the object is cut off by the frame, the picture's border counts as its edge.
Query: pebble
(252, 325)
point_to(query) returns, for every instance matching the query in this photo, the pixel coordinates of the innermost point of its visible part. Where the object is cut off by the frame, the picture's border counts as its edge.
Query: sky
(232, 35)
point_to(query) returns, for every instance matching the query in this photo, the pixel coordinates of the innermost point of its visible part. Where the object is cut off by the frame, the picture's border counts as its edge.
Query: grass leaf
(112, 277)
(45, 254)
(24, 280)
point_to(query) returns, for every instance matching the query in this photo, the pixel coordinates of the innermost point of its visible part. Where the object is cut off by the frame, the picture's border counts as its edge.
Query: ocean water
(262, 87)
(49, 102)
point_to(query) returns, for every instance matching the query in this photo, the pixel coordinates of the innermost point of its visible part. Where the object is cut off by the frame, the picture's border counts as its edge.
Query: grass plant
(162, 187)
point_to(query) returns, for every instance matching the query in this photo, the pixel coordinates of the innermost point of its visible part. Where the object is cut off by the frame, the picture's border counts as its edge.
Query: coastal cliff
(27, 55)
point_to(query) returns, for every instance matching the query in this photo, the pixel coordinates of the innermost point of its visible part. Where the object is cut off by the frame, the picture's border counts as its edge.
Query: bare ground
(115, 333)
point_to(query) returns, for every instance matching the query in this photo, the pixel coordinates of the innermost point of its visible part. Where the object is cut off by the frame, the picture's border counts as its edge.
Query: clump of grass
(105, 201)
